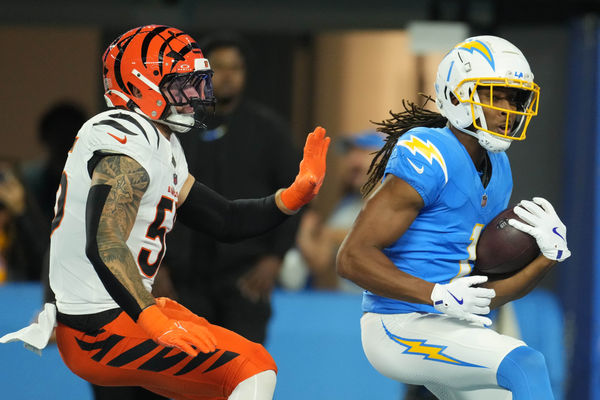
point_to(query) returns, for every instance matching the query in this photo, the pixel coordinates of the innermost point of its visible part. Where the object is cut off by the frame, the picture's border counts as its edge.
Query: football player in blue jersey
(445, 176)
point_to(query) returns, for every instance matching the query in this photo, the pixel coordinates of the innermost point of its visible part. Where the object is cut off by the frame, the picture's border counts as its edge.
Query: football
(503, 250)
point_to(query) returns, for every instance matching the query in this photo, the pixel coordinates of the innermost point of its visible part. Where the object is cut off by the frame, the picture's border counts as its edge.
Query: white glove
(459, 299)
(544, 225)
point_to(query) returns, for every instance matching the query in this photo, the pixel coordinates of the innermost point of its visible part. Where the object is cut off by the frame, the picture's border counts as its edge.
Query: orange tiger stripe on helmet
(135, 64)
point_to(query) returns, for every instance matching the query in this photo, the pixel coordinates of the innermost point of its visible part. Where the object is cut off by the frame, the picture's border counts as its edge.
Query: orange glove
(312, 171)
(174, 310)
(174, 333)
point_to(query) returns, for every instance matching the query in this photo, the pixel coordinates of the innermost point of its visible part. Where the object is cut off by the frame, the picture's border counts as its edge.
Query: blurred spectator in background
(57, 130)
(312, 261)
(22, 246)
(246, 151)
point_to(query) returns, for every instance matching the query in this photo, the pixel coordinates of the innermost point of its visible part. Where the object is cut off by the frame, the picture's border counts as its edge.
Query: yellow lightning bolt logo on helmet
(430, 352)
(479, 47)
(427, 150)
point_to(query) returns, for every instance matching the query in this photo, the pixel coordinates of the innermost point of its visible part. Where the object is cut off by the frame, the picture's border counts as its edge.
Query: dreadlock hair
(413, 116)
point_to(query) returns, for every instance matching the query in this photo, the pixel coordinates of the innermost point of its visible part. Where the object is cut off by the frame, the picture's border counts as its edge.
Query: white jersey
(73, 279)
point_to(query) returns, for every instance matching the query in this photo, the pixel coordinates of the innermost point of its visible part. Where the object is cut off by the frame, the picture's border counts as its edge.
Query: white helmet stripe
(147, 81)
(117, 93)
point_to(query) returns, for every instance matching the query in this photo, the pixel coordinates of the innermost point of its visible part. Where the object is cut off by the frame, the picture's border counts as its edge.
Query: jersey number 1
(464, 265)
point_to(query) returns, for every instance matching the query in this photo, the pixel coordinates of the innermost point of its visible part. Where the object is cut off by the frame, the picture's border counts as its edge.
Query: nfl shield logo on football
(484, 200)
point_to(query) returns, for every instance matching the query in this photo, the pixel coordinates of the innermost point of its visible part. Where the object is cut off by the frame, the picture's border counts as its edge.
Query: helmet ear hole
(134, 90)
(453, 99)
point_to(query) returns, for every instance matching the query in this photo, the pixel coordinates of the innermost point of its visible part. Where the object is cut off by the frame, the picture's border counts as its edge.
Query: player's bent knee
(523, 371)
(258, 387)
(255, 359)
(263, 358)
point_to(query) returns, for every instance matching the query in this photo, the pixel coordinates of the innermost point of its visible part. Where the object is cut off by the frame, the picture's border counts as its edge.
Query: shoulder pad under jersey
(122, 132)
(123, 126)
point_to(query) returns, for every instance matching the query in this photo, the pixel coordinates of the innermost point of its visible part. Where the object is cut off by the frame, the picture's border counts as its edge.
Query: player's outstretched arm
(118, 184)
(541, 222)
(205, 210)
(310, 177)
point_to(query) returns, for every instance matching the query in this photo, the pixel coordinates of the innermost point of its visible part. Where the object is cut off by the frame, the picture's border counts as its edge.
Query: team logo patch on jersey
(428, 351)
(427, 150)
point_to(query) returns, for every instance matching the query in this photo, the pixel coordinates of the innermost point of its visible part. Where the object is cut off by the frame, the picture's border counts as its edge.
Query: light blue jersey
(440, 244)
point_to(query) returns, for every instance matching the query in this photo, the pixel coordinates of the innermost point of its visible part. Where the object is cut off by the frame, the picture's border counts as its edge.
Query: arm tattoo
(129, 181)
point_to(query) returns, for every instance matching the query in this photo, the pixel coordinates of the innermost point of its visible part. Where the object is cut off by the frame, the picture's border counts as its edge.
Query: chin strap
(175, 126)
(488, 141)
(493, 143)
(179, 123)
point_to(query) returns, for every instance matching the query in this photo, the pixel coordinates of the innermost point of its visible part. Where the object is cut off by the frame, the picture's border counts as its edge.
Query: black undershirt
(486, 171)
(226, 220)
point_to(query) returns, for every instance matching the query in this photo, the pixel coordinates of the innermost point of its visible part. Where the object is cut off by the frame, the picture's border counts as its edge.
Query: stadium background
(338, 64)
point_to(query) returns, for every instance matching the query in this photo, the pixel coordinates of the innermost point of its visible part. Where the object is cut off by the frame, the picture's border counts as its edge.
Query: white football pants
(454, 359)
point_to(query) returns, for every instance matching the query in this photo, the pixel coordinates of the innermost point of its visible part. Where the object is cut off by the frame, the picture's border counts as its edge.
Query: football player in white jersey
(445, 176)
(124, 181)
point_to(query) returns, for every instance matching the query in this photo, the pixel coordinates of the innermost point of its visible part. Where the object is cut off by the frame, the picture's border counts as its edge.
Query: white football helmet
(489, 62)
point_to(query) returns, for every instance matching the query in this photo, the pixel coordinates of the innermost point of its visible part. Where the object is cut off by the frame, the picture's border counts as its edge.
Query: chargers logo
(477, 46)
(430, 352)
(427, 150)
